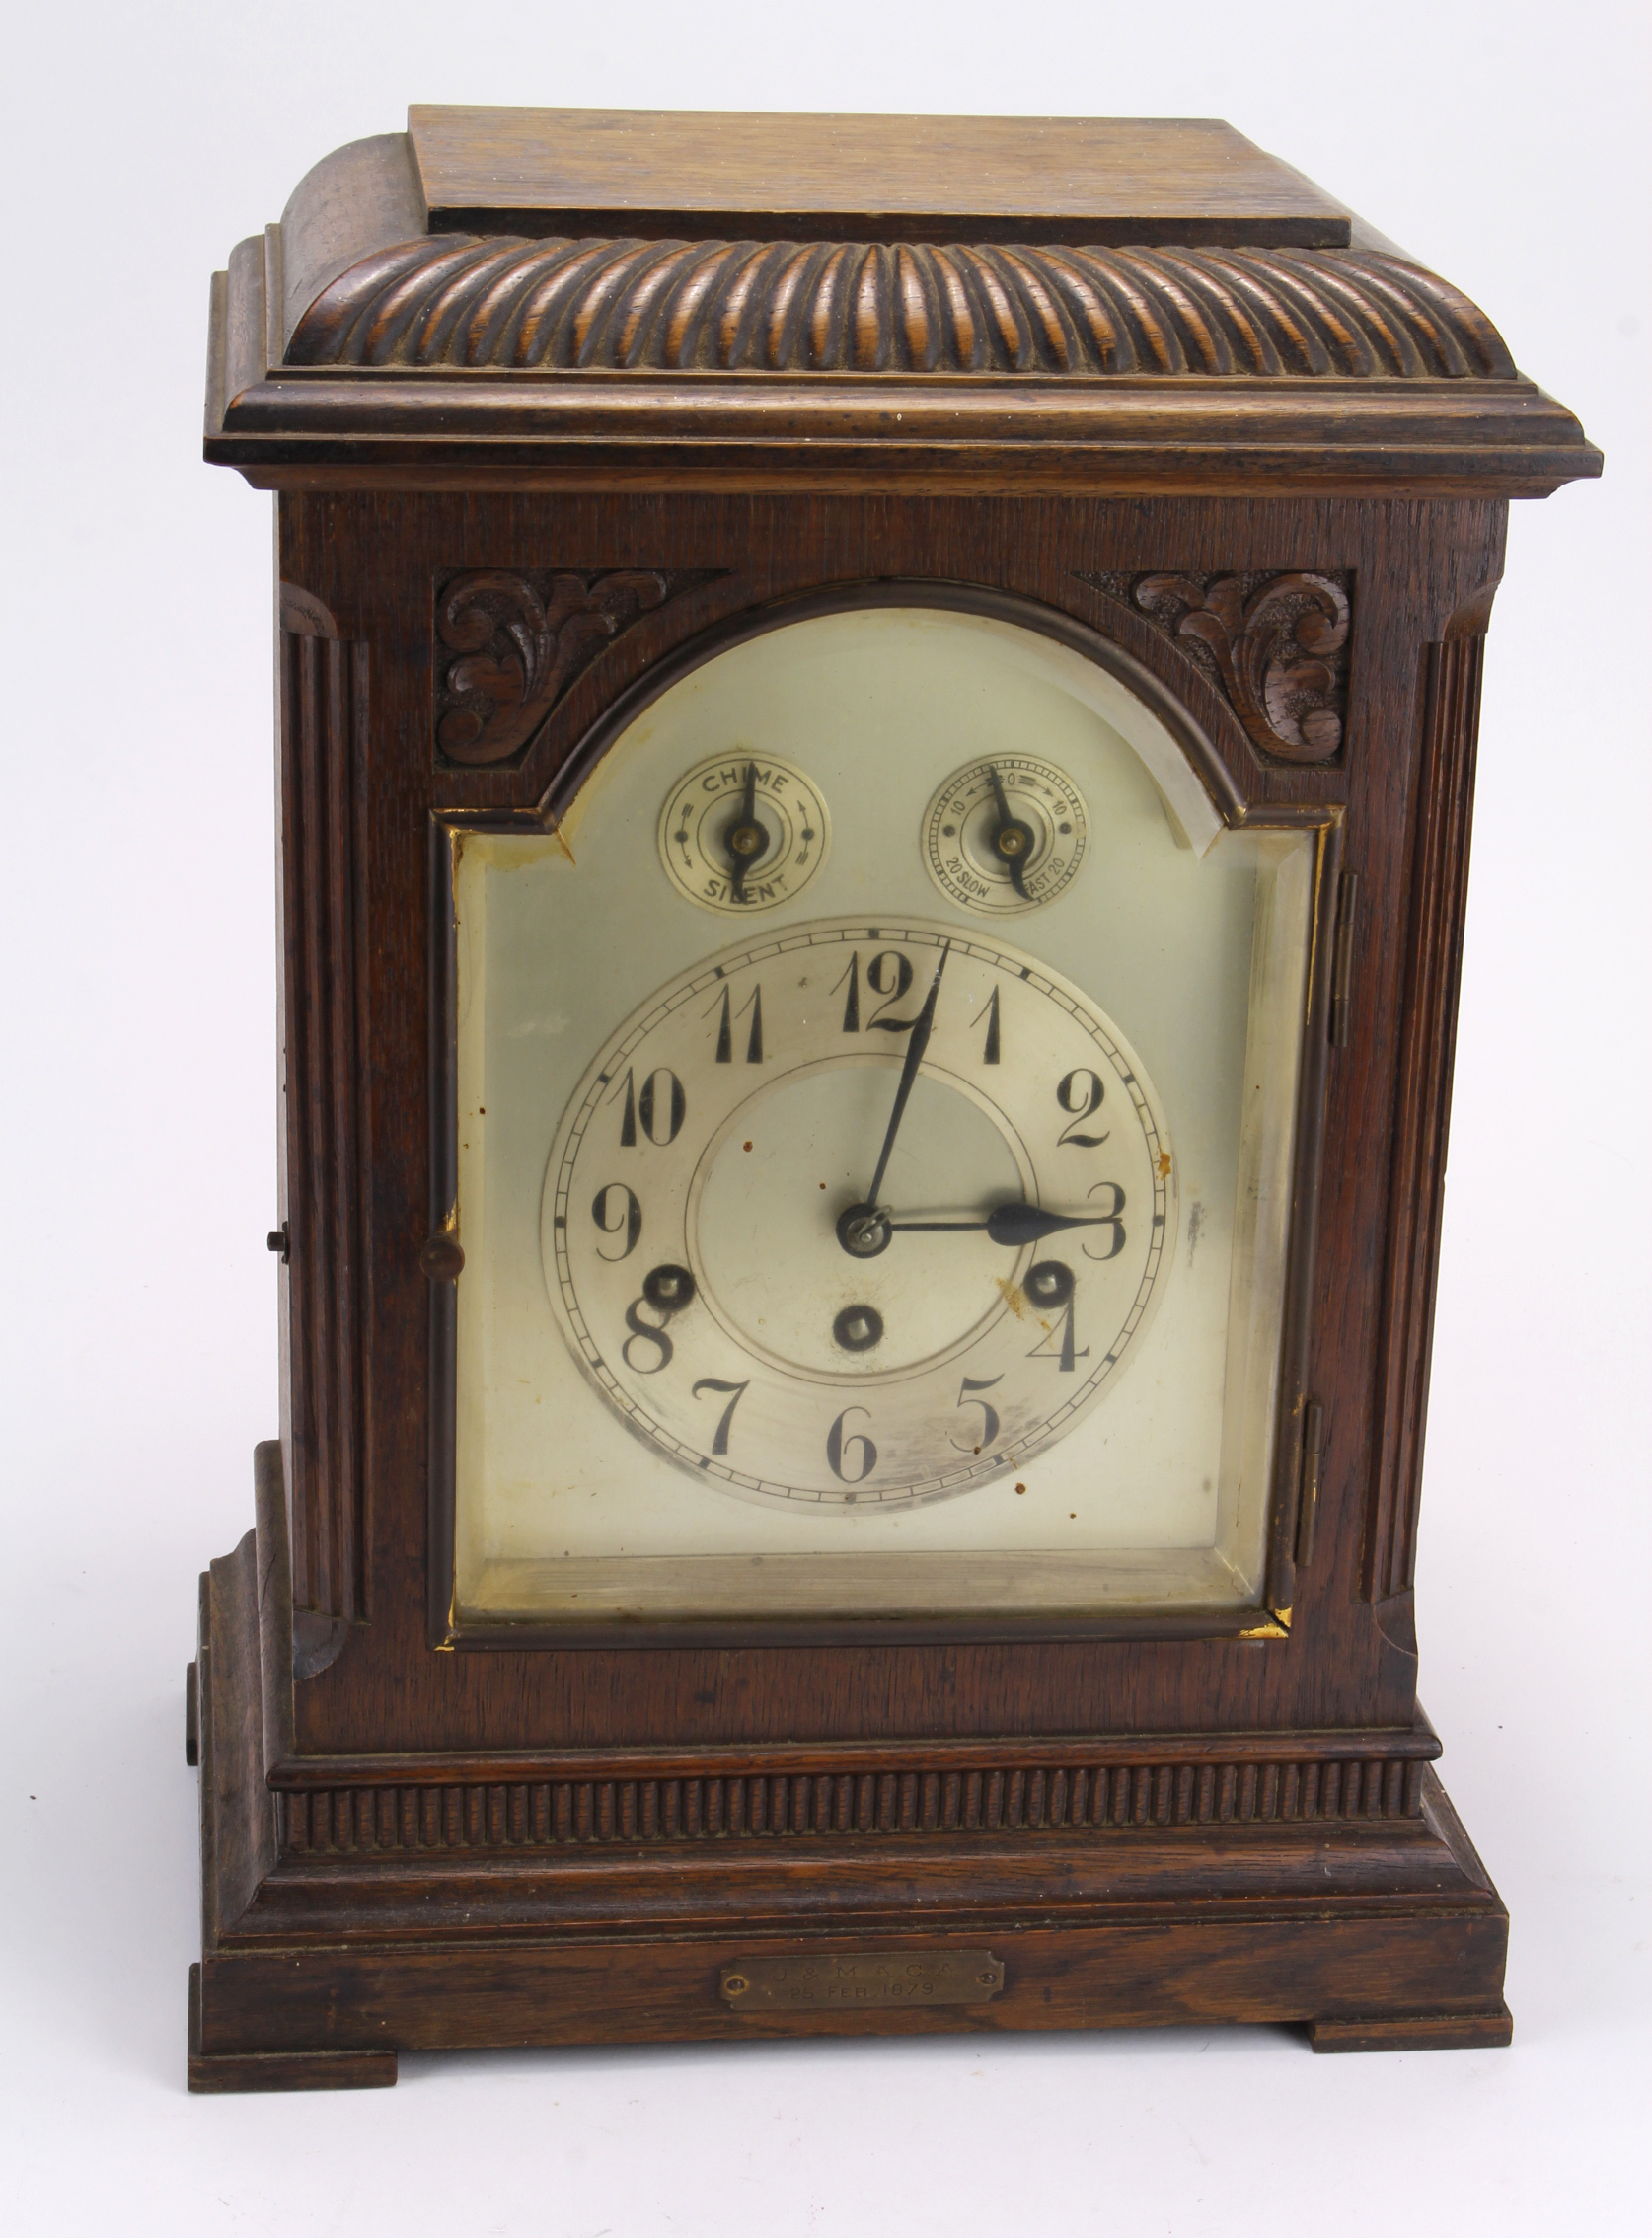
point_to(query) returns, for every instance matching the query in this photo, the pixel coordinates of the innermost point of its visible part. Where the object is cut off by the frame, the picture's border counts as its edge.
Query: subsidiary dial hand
(1013, 839)
(864, 1229)
(1013, 1224)
(746, 840)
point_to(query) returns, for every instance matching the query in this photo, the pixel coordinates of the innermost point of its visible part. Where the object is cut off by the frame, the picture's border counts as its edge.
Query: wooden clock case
(554, 405)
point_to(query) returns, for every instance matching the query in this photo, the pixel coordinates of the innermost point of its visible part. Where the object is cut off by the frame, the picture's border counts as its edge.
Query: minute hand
(1013, 1225)
(918, 1042)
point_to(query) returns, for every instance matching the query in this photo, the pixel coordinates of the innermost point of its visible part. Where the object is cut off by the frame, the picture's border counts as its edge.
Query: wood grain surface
(373, 562)
(778, 177)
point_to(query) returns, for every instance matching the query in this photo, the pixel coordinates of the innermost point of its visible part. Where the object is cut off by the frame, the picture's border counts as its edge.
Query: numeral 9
(622, 1219)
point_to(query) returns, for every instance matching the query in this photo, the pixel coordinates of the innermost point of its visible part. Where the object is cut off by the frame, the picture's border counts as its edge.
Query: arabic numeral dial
(860, 1216)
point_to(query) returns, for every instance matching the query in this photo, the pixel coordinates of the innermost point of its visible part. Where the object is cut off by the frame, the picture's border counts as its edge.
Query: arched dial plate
(743, 833)
(695, 1207)
(1006, 836)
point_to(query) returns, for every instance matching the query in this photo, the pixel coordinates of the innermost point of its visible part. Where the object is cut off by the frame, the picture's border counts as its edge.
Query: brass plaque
(862, 1980)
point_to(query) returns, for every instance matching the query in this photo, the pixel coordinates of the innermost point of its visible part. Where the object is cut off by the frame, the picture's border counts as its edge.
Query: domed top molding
(543, 297)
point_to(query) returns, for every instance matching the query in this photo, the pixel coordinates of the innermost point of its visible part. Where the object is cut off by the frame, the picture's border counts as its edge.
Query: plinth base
(410, 1931)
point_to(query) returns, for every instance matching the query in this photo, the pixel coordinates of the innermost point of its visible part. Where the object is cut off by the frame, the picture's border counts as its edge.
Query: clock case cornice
(370, 339)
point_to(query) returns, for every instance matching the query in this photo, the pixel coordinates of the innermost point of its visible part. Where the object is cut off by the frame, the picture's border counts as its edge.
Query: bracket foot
(211, 2071)
(1415, 2032)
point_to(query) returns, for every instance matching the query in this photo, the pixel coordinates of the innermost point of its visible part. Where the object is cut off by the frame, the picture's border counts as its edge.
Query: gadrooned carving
(904, 307)
(1274, 645)
(509, 645)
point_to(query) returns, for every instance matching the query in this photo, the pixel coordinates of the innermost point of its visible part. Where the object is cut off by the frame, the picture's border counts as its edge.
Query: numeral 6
(837, 1449)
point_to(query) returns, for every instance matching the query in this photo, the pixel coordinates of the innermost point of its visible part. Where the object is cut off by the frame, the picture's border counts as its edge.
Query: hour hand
(1015, 1224)
(1010, 1225)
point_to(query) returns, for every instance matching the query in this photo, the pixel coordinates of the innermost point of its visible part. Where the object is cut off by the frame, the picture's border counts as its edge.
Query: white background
(1505, 145)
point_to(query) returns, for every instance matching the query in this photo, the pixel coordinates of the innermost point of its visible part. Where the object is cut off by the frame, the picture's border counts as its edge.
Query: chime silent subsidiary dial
(742, 833)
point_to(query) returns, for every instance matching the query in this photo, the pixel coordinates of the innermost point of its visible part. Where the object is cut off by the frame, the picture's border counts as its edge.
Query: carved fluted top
(504, 303)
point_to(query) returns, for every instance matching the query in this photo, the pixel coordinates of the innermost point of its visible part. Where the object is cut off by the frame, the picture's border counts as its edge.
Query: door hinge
(1342, 958)
(1308, 1504)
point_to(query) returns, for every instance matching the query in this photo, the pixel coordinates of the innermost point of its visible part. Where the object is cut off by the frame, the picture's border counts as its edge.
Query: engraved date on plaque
(867, 1981)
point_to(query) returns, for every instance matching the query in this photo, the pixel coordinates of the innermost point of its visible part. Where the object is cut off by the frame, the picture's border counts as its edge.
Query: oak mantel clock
(876, 733)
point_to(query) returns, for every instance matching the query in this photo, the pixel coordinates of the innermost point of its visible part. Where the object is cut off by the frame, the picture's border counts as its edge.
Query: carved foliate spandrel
(508, 645)
(1274, 645)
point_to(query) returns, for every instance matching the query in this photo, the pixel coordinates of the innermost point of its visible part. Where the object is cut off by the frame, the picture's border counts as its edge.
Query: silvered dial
(861, 1214)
